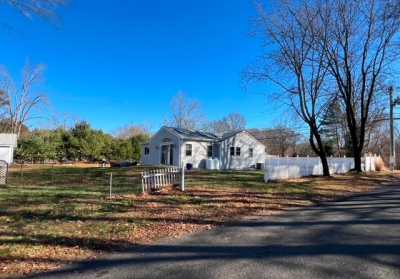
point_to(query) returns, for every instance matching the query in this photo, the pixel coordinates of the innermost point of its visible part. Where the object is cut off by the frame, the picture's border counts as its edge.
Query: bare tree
(41, 8)
(130, 131)
(357, 37)
(185, 113)
(18, 103)
(231, 122)
(294, 64)
(279, 140)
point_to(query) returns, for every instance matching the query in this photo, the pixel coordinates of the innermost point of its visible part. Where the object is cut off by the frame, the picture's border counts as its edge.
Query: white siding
(221, 150)
(199, 153)
(245, 141)
(156, 141)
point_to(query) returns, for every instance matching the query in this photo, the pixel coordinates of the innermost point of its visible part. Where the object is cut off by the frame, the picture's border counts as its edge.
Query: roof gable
(234, 133)
(231, 134)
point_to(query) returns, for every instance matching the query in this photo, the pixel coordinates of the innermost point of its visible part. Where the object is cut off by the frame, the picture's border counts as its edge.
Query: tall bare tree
(18, 102)
(279, 140)
(185, 113)
(231, 122)
(294, 64)
(357, 37)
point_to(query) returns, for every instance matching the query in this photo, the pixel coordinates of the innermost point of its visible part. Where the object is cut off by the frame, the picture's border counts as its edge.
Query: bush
(380, 164)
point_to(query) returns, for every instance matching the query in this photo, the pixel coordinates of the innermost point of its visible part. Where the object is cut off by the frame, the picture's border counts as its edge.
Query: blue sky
(120, 62)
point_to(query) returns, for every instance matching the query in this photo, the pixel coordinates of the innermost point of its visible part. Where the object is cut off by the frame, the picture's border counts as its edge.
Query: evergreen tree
(333, 130)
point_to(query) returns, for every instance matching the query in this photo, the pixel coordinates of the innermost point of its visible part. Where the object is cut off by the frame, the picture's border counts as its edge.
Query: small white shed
(8, 142)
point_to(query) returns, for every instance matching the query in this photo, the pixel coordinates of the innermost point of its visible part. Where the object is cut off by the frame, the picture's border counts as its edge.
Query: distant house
(180, 147)
(8, 142)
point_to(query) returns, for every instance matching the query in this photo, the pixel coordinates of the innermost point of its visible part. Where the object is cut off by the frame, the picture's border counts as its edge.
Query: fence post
(7, 174)
(142, 175)
(159, 179)
(153, 180)
(287, 166)
(51, 173)
(183, 179)
(111, 181)
(157, 176)
(161, 182)
(163, 174)
(21, 173)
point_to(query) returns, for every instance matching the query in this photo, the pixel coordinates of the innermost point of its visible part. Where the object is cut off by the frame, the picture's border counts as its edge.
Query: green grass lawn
(50, 216)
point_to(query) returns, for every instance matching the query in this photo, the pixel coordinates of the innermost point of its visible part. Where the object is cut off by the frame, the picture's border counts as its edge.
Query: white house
(8, 142)
(180, 147)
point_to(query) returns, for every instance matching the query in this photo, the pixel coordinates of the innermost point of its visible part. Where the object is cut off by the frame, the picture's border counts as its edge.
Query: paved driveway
(356, 238)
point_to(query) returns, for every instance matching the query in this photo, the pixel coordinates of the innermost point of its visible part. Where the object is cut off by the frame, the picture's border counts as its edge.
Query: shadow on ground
(356, 232)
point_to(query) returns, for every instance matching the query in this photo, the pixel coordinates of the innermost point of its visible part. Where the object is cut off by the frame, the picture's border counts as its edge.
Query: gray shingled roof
(198, 135)
(193, 135)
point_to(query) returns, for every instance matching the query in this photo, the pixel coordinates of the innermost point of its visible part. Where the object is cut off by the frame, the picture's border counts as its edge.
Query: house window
(146, 151)
(237, 151)
(188, 150)
(209, 151)
(251, 152)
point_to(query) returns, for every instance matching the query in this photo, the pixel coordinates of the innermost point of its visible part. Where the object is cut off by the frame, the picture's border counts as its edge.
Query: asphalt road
(355, 238)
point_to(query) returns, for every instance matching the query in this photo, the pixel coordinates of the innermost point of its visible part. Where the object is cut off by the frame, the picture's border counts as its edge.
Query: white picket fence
(155, 180)
(296, 167)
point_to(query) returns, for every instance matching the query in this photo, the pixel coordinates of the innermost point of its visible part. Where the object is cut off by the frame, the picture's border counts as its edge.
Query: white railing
(296, 167)
(155, 180)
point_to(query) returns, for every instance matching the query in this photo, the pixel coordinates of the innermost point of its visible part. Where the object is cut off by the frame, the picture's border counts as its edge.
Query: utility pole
(393, 103)
(392, 157)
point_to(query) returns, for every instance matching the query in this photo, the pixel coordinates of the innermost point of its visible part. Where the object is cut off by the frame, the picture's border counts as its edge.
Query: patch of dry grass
(52, 217)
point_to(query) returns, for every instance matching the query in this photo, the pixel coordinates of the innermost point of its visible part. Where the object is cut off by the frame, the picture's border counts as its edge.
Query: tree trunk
(356, 142)
(319, 149)
(322, 156)
(357, 160)
(356, 154)
(325, 166)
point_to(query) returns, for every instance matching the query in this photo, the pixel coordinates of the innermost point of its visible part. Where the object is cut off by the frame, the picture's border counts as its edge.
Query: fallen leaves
(44, 228)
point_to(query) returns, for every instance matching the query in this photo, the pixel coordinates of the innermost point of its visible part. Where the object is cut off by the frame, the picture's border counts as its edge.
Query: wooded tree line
(80, 143)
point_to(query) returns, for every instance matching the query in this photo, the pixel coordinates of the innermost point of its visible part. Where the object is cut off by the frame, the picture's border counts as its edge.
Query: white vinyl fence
(155, 180)
(295, 167)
